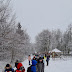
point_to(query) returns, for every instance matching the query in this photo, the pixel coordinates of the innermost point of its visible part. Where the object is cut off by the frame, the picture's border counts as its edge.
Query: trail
(56, 65)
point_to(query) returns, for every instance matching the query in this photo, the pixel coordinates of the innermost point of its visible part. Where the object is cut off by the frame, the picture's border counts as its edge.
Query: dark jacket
(40, 65)
(11, 69)
(16, 63)
(47, 58)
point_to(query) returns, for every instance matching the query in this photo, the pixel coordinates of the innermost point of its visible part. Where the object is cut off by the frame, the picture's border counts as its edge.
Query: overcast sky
(36, 15)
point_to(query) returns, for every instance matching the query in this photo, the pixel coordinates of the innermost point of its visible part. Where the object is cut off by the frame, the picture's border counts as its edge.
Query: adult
(29, 59)
(47, 60)
(16, 63)
(33, 67)
(40, 65)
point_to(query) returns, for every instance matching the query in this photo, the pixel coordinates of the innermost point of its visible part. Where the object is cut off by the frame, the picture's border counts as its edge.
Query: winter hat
(29, 55)
(7, 65)
(34, 58)
(40, 58)
(17, 61)
(19, 65)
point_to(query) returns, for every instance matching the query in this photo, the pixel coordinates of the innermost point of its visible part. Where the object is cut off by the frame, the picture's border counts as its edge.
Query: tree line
(48, 40)
(14, 42)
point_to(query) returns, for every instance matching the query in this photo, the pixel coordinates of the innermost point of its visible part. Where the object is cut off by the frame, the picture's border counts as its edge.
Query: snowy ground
(57, 65)
(2, 65)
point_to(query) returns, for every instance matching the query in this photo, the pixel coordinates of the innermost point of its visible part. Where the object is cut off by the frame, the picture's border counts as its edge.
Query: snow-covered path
(59, 66)
(55, 65)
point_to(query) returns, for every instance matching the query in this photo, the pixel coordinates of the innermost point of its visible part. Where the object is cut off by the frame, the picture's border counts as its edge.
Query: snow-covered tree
(43, 40)
(56, 39)
(67, 40)
(20, 44)
(14, 42)
(7, 21)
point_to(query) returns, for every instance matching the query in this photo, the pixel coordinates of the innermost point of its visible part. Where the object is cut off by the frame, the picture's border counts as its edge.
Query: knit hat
(7, 65)
(40, 58)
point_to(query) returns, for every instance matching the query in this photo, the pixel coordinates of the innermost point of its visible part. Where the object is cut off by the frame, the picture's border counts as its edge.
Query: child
(8, 68)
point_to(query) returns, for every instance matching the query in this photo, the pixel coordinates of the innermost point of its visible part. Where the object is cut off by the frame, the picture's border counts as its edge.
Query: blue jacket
(33, 68)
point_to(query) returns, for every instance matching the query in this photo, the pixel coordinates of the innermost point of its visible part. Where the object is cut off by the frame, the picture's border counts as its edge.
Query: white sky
(36, 15)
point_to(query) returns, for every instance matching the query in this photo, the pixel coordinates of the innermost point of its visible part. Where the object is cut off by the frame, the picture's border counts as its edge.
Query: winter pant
(47, 63)
(29, 62)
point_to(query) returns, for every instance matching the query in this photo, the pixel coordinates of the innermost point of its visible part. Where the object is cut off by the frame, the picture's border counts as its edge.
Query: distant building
(56, 52)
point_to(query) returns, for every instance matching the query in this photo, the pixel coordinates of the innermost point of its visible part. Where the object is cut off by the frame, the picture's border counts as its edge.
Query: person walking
(47, 60)
(29, 59)
(33, 67)
(16, 63)
(8, 68)
(40, 65)
(20, 68)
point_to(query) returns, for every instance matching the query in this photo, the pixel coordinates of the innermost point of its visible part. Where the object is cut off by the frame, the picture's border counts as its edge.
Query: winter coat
(33, 67)
(40, 67)
(9, 70)
(16, 63)
(29, 58)
(20, 68)
(47, 58)
(44, 57)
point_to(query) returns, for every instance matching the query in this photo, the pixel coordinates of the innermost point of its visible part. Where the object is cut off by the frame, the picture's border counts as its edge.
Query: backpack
(22, 69)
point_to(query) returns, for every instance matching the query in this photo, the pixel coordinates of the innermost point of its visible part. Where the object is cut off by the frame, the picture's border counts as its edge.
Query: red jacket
(20, 68)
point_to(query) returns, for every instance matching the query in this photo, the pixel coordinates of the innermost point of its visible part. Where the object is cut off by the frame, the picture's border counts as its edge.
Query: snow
(2, 65)
(55, 65)
(59, 66)
(56, 50)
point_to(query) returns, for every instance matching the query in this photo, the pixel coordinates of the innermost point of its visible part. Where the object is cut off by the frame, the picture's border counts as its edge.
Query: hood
(34, 62)
(19, 65)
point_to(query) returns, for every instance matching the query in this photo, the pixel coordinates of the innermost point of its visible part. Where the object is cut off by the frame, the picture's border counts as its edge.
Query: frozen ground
(57, 65)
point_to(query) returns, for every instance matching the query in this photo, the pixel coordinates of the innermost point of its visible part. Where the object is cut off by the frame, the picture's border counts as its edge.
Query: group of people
(38, 63)
(18, 65)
